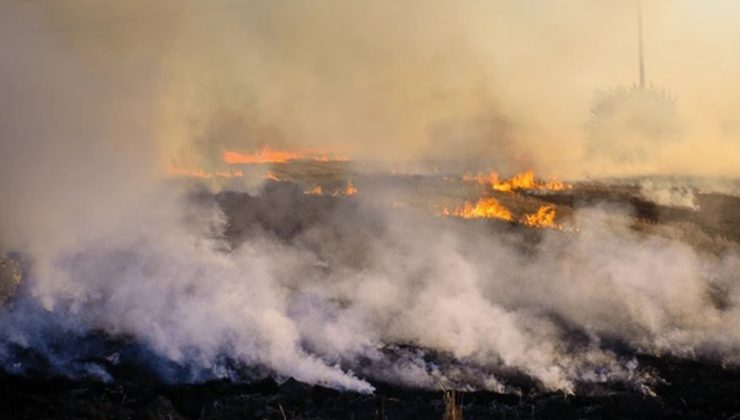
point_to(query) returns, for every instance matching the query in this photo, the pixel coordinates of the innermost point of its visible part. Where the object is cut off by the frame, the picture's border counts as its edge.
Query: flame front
(544, 217)
(269, 155)
(519, 182)
(484, 208)
(316, 190)
(527, 181)
(271, 176)
(348, 190)
(263, 155)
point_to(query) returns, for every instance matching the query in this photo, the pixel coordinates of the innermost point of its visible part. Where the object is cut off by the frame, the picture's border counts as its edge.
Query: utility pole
(640, 47)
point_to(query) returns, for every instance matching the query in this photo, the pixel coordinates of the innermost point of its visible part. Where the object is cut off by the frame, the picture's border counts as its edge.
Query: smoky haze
(99, 97)
(507, 82)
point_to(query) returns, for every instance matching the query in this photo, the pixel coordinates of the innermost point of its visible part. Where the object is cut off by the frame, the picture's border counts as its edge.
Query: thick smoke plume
(99, 98)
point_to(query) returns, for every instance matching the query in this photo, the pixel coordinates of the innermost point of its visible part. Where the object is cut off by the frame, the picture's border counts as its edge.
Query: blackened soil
(690, 389)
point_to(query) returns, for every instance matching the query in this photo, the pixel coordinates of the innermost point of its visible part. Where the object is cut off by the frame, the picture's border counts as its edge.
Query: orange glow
(316, 190)
(327, 157)
(522, 181)
(527, 181)
(200, 173)
(271, 177)
(264, 155)
(488, 208)
(269, 155)
(349, 190)
(544, 217)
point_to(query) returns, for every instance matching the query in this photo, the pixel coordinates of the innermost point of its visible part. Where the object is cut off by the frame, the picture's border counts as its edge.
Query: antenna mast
(641, 52)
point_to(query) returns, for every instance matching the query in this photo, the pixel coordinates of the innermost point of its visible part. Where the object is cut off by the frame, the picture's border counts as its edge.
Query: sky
(509, 83)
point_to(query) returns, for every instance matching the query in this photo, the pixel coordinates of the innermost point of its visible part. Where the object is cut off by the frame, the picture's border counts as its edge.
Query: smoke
(98, 99)
(667, 193)
(494, 82)
(505, 83)
(335, 294)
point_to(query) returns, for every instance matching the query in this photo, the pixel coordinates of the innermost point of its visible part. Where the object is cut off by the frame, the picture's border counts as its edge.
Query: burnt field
(563, 339)
(689, 389)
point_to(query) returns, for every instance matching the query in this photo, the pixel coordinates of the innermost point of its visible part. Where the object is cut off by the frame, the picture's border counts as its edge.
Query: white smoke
(301, 308)
(667, 193)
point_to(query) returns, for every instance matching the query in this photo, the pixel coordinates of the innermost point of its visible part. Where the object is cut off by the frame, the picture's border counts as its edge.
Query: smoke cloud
(508, 83)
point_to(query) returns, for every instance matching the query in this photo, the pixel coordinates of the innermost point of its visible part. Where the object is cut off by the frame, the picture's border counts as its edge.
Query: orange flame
(490, 208)
(349, 190)
(522, 181)
(269, 155)
(527, 181)
(264, 155)
(544, 217)
(271, 177)
(316, 190)
(484, 208)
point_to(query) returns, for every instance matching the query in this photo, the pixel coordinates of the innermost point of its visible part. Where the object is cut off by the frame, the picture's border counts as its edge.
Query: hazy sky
(509, 80)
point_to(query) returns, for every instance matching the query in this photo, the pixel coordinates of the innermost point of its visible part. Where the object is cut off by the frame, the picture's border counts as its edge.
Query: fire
(349, 190)
(316, 190)
(484, 208)
(269, 155)
(527, 181)
(271, 177)
(522, 181)
(544, 217)
(490, 208)
(263, 155)
(201, 173)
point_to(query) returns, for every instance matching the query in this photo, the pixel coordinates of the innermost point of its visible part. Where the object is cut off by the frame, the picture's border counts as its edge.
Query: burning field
(527, 295)
(226, 209)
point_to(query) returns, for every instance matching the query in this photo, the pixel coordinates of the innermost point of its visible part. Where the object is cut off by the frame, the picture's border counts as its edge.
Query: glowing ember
(200, 173)
(527, 181)
(349, 190)
(485, 208)
(269, 155)
(264, 155)
(490, 208)
(544, 217)
(316, 190)
(522, 181)
(271, 177)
